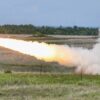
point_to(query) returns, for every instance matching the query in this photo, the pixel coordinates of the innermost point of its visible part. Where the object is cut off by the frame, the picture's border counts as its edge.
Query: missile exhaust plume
(85, 61)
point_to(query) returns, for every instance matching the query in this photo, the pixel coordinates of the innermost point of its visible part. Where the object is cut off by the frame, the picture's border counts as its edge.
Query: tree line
(46, 30)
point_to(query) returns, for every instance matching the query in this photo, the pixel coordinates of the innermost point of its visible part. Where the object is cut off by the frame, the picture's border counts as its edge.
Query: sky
(51, 12)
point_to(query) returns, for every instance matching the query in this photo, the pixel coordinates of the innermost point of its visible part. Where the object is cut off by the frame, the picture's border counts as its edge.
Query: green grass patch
(29, 78)
(29, 86)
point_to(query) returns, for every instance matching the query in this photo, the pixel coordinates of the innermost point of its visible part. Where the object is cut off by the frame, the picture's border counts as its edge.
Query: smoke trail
(85, 61)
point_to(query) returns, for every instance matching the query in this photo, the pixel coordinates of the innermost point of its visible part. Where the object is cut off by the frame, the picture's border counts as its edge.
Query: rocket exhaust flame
(86, 61)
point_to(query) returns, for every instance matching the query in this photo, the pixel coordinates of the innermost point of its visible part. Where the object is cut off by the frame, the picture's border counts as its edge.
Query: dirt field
(77, 41)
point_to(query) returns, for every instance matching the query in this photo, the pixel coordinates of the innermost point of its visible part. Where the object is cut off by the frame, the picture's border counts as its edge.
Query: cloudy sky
(51, 12)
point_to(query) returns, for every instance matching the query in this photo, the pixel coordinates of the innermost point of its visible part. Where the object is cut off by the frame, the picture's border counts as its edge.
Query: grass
(29, 79)
(28, 86)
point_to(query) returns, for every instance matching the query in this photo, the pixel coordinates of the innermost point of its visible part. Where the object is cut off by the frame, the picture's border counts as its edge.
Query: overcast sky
(51, 12)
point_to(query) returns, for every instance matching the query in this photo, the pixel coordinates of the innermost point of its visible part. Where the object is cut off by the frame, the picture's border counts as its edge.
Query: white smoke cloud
(86, 61)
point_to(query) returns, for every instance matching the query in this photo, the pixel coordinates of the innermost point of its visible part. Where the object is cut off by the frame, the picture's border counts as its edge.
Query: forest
(46, 30)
